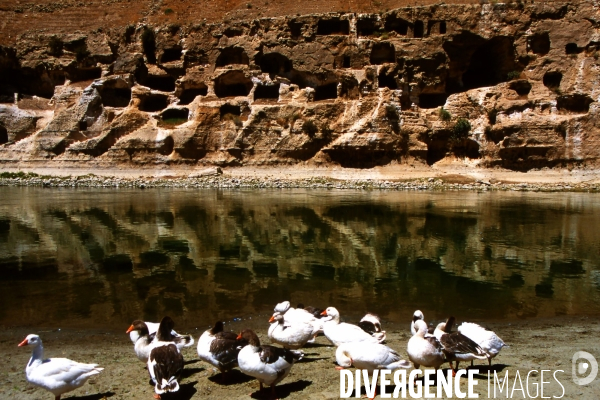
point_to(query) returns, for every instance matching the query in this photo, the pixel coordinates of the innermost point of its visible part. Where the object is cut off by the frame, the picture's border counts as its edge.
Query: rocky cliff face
(511, 85)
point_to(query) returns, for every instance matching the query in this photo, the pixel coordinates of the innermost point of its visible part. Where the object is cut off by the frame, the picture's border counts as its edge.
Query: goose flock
(159, 346)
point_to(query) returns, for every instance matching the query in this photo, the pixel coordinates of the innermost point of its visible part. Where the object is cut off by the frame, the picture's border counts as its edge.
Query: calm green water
(101, 258)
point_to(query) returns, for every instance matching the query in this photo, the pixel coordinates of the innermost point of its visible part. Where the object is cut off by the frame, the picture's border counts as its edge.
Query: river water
(98, 259)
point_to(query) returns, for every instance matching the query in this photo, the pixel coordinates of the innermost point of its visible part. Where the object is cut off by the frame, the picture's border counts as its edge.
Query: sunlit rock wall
(512, 85)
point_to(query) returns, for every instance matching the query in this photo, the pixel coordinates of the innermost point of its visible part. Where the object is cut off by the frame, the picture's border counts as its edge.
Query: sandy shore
(547, 344)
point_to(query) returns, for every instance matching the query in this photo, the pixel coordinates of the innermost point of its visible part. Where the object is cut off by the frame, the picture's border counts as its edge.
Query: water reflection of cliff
(101, 258)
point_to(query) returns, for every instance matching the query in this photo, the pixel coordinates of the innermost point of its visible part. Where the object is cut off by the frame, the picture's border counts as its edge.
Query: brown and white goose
(144, 336)
(371, 323)
(152, 327)
(219, 348)
(457, 347)
(165, 362)
(268, 364)
(56, 375)
(488, 340)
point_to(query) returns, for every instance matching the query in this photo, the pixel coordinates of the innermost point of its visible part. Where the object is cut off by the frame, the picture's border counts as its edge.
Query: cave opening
(387, 79)
(164, 83)
(3, 134)
(233, 83)
(326, 92)
(84, 74)
(418, 29)
(366, 27)
(346, 62)
(398, 25)
(333, 26)
(552, 79)
(491, 63)
(229, 109)
(171, 54)
(232, 56)
(153, 102)
(233, 32)
(383, 52)
(295, 29)
(275, 64)
(442, 27)
(266, 92)
(577, 103)
(115, 96)
(572, 48)
(432, 100)
(188, 95)
(539, 43)
(522, 87)
(174, 116)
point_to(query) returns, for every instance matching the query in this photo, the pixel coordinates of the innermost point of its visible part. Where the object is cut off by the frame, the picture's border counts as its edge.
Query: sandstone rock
(513, 85)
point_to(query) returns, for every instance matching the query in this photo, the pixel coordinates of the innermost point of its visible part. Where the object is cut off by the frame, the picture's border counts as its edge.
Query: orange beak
(239, 337)
(23, 343)
(130, 329)
(272, 319)
(324, 312)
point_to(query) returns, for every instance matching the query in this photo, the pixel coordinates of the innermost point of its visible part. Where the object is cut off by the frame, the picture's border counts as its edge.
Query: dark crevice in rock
(396, 24)
(572, 48)
(232, 56)
(84, 74)
(229, 109)
(191, 149)
(577, 103)
(171, 54)
(266, 92)
(383, 52)
(188, 95)
(418, 29)
(164, 83)
(233, 83)
(552, 79)
(326, 92)
(3, 135)
(361, 158)
(295, 29)
(115, 93)
(522, 87)
(275, 64)
(174, 116)
(153, 102)
(334, 26)
(539, 43)
(387, 78)
(432, 100)
(367, 27)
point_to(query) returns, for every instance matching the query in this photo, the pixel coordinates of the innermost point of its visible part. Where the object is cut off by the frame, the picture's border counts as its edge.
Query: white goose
(417, 315)
(292, 315)
(488, 340)
(56, 375)
(457, 347)
(340, 332)
(292, 335)
(424, 349)
(269, 364)
(369, 356)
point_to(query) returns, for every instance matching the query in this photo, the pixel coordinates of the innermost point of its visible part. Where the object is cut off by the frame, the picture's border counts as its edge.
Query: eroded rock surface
(512, 85)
